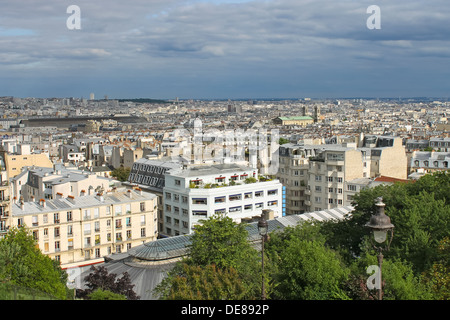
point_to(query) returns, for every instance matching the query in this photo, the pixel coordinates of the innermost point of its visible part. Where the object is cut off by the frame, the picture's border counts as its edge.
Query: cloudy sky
(224, 49)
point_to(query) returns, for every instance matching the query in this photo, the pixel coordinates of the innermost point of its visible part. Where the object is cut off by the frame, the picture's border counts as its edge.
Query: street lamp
(263, 228)
(380, 224)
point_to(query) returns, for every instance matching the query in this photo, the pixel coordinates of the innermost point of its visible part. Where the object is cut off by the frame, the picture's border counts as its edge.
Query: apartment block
(316, 176)
(197, 193)
(82, 230)
(35, 183)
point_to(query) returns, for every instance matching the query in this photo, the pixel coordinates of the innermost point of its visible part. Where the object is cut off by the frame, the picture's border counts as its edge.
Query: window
(235, 197)
(220, 211)
(248, 195)
(272, 203)
(142, 206)
(69, 215)
(69, 230)
(96, 213)
(177, 182)
(219, 199)
(118, 223)
(35, 221)
(199, 201)
(235, 209)
(199, 213)
(142, 232)
(56, 217)
(259, 194)
(248, 207)
(330, 179)
(45, 218)
(317, 199)
(351, 187)
(87, 228)
(272, 192)
(56, 232)
(97, 226)
(143, 220)
(318, 178)
(259, 205)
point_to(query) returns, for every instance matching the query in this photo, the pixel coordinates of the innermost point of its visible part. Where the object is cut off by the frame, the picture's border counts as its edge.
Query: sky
(224, 49)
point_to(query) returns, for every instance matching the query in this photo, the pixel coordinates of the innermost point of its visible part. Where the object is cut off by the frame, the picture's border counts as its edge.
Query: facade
(316, 176)
(82, 230)
(428, 162)
(50, 183)
(200, 192)
(294, 121)
(15, 162)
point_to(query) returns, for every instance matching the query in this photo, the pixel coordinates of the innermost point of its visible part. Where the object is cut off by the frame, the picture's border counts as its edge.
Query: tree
(203, 283)
(99, 278)
(283, 141)
(219, 248)
(307, 269)
(25, 265)
(121, 173)
(101, 294)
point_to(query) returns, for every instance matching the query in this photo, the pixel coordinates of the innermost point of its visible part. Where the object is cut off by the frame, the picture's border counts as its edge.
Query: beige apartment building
(15, 162)
(82, 230)
(315, 177)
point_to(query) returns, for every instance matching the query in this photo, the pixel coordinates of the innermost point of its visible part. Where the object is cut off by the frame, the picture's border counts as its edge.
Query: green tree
(101, 294)
(221, 243)
(25, 265)
(203, 283)
(307, 269)
(283, 141)
(121, 173)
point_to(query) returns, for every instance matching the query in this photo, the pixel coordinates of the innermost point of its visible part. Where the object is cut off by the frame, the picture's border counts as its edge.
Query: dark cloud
(284, 47)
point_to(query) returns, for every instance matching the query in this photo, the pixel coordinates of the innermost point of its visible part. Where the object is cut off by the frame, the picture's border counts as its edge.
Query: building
(316, 176)
(14, 163)
(82, 230)
(428, 162)
(51, 183)
(197, 193)
(294, 121)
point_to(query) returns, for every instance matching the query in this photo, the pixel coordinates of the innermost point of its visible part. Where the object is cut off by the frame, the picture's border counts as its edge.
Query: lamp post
(262, 229)
(380, 224)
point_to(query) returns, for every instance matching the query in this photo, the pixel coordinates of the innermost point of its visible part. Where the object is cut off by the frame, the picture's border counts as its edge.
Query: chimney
(83, 192)
(268, 214)
(99, 197)
(32, 198)
(71, 199)
(42, 202)
(129, 194)
(59, 195)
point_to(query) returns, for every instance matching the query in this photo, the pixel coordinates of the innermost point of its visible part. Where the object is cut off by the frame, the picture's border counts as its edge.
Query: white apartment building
(79, 231)
(194, 194)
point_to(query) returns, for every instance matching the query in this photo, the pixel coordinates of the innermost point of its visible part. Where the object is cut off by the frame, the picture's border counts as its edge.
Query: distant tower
(316, 113)
(91, 96)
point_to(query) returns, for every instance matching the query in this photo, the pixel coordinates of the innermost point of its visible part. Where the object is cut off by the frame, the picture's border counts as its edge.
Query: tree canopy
(23, 264)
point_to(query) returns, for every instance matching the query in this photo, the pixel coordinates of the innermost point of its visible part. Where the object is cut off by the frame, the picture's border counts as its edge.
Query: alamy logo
(374, 21)
(374, 281)
(259, 147)
(74, 21)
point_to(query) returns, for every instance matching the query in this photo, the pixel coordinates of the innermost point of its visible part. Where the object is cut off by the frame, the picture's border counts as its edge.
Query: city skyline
(224, 49)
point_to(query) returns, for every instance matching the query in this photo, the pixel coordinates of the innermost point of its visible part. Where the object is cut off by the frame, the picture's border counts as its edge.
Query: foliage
(203, 283)
(307, 269)
(121, 173)
(218, 247)
(283, 141)
(101, 294)
(418, 210)
(250, 180)
(438, 276)
(25, 265)
(99, 278)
